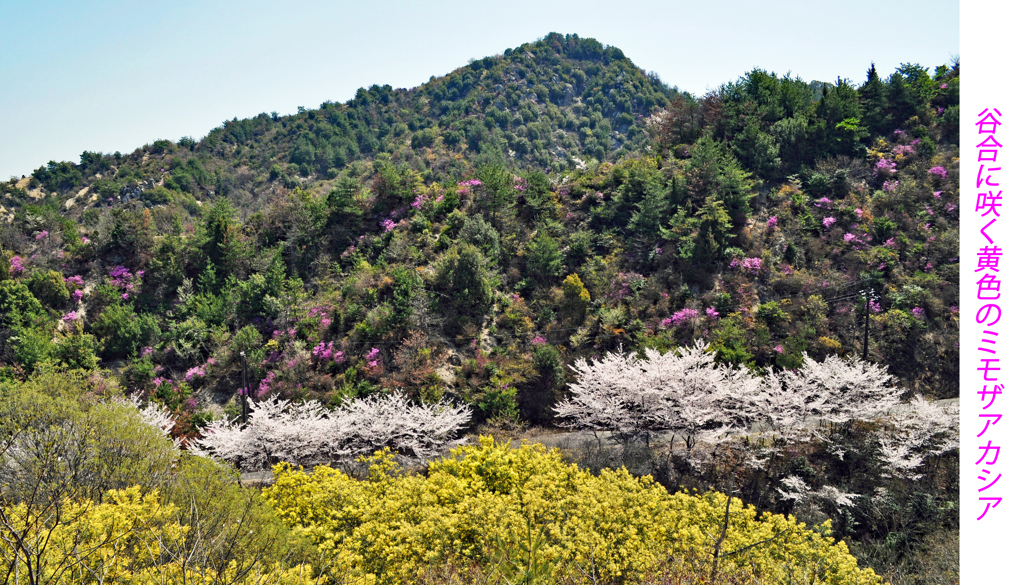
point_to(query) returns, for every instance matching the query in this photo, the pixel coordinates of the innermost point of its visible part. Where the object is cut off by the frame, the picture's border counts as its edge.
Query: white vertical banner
(991, 336)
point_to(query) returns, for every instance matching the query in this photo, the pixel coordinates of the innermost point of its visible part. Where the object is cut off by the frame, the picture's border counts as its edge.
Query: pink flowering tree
(751, 265)
(885, 168)
(325, 353)
(17, 266)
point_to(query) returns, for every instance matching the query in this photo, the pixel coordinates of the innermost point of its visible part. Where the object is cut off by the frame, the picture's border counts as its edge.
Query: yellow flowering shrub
(525, 511)
(128, 538)
(576, 297)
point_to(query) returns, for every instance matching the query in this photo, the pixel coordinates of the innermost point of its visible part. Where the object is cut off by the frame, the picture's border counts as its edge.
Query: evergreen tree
(873, 104)
(220, 245)
(645, 223)
(902, 103)
(838, 119)
(544, 258)
(463, 281)
(714, 226)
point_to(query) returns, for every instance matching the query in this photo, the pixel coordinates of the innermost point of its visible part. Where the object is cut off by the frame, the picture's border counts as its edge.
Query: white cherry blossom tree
(307, 434)
(633, 396)
(833, 390)
(914, 432)
(154, 414)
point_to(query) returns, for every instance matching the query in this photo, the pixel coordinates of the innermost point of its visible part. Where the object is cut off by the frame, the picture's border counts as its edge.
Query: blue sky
(113, 75)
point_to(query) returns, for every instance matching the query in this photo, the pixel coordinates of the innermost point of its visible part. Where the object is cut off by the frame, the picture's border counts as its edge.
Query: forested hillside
(466, 241)
(538, 105)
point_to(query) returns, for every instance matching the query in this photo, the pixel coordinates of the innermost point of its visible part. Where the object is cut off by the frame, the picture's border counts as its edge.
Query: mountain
(540, 105)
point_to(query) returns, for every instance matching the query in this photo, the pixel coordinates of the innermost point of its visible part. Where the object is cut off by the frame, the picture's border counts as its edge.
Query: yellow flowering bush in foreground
(536, 519)
(130, 537)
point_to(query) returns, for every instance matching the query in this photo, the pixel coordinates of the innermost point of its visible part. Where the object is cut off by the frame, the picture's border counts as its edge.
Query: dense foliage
(543, 519)
(91, 491)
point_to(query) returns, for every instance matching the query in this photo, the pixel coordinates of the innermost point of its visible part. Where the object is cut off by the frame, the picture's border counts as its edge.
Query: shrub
(463, 281)
(123, 332)
(17, 304)
(30, 346)
(772, 314)
(49, 288)
(576, 299)
(544, 258)
(526, 512)
(76, 350)
(93, 491)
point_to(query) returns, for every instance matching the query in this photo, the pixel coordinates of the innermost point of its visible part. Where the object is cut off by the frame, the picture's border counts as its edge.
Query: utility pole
(245, 389)
(868, 296)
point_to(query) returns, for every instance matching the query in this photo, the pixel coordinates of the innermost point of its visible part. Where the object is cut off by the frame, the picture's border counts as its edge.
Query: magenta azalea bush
(751, 264)
(325, 352)
(680, 317)
(17, 266)
(126, 281)
(885, 167)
